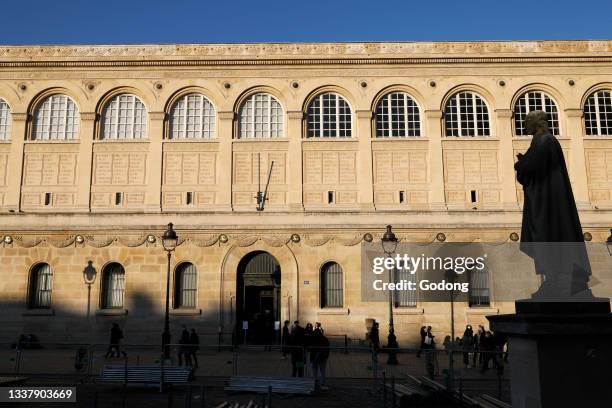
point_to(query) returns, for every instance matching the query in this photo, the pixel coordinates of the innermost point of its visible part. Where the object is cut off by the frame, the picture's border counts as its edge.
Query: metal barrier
(346, 361)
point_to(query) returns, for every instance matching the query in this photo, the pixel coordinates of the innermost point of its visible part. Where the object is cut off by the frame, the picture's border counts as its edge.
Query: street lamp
(89, 277)
(609, 242)
(389, 245)
(169, 241)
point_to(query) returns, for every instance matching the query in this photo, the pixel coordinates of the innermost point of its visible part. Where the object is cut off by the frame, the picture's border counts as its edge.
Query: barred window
(466, 114)
(331, 285)
(405, 298)
(532, 101)
(192, 117)
(5, 120)
(56, 118)
(397, 115)
(124, 117)
(329, 115)
(185, 285)
(41, 283)
(113, 286)
(598, 113)
(479, 287)
(261, 117)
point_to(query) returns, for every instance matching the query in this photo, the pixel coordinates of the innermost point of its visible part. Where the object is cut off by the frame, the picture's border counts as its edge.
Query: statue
(551, 233)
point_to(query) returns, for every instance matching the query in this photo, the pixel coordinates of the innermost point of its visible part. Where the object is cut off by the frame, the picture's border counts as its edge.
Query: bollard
(269, 396)
(393, 392)
(188, 397)
(384, 380)
(170, 392)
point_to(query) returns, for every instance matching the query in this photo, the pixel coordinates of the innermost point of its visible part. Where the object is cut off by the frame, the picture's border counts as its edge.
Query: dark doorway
(258, 298)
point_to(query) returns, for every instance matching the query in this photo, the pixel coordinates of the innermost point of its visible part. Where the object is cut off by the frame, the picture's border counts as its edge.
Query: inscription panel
(330, 172)
(598, 156)
(251, 167)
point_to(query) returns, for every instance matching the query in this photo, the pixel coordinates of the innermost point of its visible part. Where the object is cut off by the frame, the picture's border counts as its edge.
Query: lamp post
(169, 241)
(389, 245)
(89, 277)
(609, 242)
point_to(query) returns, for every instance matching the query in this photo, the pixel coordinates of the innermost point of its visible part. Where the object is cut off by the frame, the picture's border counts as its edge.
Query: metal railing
(345, 361)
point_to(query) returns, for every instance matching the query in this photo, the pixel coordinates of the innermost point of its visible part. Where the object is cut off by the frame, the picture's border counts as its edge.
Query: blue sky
(206, 21)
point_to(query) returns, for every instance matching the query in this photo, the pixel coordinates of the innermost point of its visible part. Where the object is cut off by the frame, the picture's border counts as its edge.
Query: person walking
(423, 334)
(467, 345)
(374, 337)
(489, 352)
(194, 342)
(318, 357)
(285, 339)
(429, 346)
(477, 359)
(115, 338)
(297, 350)
(183, 351)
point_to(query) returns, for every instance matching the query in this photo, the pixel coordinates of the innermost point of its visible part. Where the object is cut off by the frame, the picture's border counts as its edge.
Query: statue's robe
(551, 233)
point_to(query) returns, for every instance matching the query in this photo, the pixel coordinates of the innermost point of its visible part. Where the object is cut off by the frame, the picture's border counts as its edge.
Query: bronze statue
(551, 233)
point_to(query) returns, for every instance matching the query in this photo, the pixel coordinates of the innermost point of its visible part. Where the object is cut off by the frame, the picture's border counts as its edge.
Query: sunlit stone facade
(102, 146)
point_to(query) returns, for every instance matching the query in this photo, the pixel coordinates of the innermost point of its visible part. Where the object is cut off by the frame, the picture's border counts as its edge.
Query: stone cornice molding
(193, 55)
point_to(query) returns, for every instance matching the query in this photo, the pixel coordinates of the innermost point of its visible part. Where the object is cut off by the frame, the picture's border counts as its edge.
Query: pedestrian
(297, 350)
(285, 339)
(319, 327)
(183, 350)
(467, 345)
(374, 337)
(194, 342)
(477, 360)
(423, 333)
(429, 346)
(115, 339)
(487, 349)
(319, 355)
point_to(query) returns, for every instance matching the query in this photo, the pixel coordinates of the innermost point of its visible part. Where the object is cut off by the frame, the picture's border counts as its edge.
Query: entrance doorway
(258, 298)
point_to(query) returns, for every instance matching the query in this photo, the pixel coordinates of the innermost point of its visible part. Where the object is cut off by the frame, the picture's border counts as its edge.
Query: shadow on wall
(142, 322)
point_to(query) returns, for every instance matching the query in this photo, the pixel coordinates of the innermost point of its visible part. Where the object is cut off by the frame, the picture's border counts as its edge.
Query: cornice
(194, 55)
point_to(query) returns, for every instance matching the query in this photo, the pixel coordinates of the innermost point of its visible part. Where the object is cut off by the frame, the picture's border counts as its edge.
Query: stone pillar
(364, 160)
(15, 161)
(437, 199)
(506, 159)
(154, 159)
(225, 135)
(294, 160)
(577, 162)
(85, 165)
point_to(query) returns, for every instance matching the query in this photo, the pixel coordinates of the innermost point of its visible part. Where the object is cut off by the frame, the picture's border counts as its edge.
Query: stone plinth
(560, 353)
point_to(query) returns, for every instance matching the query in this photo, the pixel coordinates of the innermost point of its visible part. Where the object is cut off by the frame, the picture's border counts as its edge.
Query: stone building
(102, 146)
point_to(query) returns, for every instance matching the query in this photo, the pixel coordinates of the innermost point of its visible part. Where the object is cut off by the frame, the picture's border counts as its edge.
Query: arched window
(192, 117)
(56, 118)
(405, 298)
(466, 114)
(598, 113)
(331, 285)
(5, 120)
(124, 117)
(113, 286)
(397, 115)
(479, 287)
(185, 285)
(531, 101)
(329, 115)
(41, 284)
(261, 117)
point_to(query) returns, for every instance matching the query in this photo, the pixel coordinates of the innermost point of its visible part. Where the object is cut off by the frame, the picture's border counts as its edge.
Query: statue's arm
(534, 162)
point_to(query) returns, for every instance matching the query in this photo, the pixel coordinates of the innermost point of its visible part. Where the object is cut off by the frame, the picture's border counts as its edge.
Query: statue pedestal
(560, 353)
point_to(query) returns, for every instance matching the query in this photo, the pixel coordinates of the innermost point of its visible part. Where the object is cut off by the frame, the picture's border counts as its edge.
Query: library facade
(102, 146)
